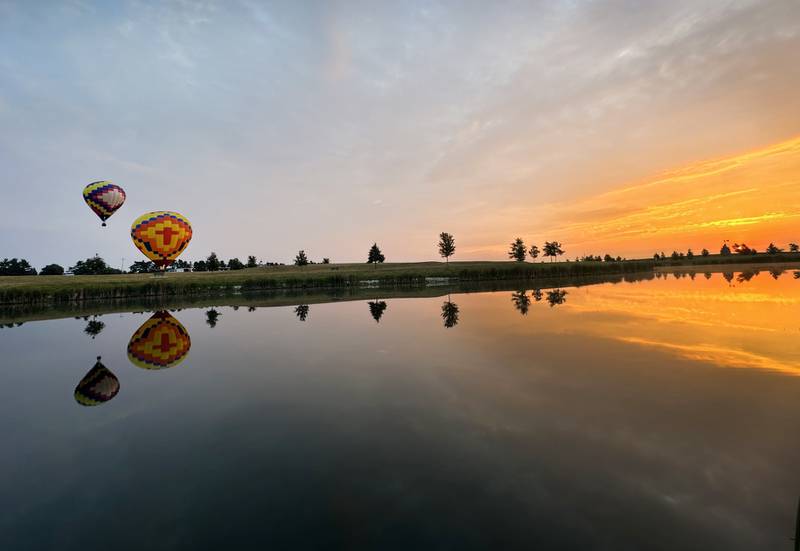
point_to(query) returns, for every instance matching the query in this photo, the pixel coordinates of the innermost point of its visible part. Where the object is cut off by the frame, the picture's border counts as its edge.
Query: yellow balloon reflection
(97, 387)
(160, 342)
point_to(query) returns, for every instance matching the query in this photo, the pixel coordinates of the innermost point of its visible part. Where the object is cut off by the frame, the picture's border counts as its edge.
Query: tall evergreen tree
(447, 246)
(517, 250)
(375, 255)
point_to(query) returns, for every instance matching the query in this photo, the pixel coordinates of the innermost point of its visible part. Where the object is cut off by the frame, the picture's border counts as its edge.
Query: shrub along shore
(60, 289)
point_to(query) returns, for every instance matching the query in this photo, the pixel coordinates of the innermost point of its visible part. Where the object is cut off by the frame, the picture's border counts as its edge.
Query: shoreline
(65, 289)
(54, 290)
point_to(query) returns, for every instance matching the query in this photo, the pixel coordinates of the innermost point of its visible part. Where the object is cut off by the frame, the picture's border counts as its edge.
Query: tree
(725, 250)
(552, 249)
(93, 266)
(301, 311)
(690, 254)
(212, 263)
(518, 251)
(251, 261)
(375, 256)
(301, 259)
(704, 252)
(521, 301)
(15, 267)
(675, 255)
(235, 264)
(743, 249)
(212, 316)
(608, 258)
(52, 269)
(449, 314)
(794, 247)
(534, 252)
(200, 266)
(772, 249)
(447, 246)
(376, 308)
(326, 260)
(142, 267)
(656, 257)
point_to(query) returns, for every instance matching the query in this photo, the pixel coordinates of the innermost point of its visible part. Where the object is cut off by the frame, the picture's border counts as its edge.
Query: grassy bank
(62, 289)
(19, 313)
(718, 259)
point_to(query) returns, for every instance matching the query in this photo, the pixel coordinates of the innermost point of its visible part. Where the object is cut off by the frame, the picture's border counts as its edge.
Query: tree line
(726, 250)
(446, 247)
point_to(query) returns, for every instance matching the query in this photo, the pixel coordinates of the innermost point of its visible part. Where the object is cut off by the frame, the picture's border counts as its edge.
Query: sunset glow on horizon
(751, 198)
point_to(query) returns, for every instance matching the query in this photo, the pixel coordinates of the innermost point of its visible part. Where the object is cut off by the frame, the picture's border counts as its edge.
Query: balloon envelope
(104, 198)
(160, 342)
(161, 236)
(97, 386)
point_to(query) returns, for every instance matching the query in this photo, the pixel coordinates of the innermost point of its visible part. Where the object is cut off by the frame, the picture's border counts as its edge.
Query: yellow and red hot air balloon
(161, 236)
(104, 198)
(160, 342)
(97, 386)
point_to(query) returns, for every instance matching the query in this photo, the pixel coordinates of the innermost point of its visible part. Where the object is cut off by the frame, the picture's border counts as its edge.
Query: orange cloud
(753, 197)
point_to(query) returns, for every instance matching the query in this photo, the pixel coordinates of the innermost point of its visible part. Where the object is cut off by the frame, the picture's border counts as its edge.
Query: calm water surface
(660, 414)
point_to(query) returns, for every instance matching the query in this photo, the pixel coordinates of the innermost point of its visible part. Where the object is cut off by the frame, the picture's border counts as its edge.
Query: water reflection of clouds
(705, 320)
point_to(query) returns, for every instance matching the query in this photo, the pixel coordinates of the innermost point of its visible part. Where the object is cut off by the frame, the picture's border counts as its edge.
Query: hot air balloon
(160, 342)
(104, 198)
(97, 386)
(161, 236)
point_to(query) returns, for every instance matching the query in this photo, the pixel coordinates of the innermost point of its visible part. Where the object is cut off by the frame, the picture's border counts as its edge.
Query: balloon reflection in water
(97, 386)
(160, 342)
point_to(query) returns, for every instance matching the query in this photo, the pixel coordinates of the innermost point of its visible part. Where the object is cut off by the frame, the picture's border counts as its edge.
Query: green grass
(60, 289)
(46, 289)
(19, 313)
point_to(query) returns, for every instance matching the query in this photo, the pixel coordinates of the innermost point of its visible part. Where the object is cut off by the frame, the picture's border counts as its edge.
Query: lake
(653, 414)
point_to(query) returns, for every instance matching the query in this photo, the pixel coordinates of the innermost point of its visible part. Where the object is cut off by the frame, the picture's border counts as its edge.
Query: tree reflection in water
(212, 316)
(556, 296)
(301, 311)
(449, 313)
(94, 327)
(521, 301)
(376, 309)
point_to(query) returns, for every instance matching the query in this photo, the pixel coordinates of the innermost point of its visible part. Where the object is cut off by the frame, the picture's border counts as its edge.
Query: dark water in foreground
(654, 415)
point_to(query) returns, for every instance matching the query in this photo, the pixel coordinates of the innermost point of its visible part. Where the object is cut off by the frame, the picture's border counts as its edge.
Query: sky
(611, 126)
